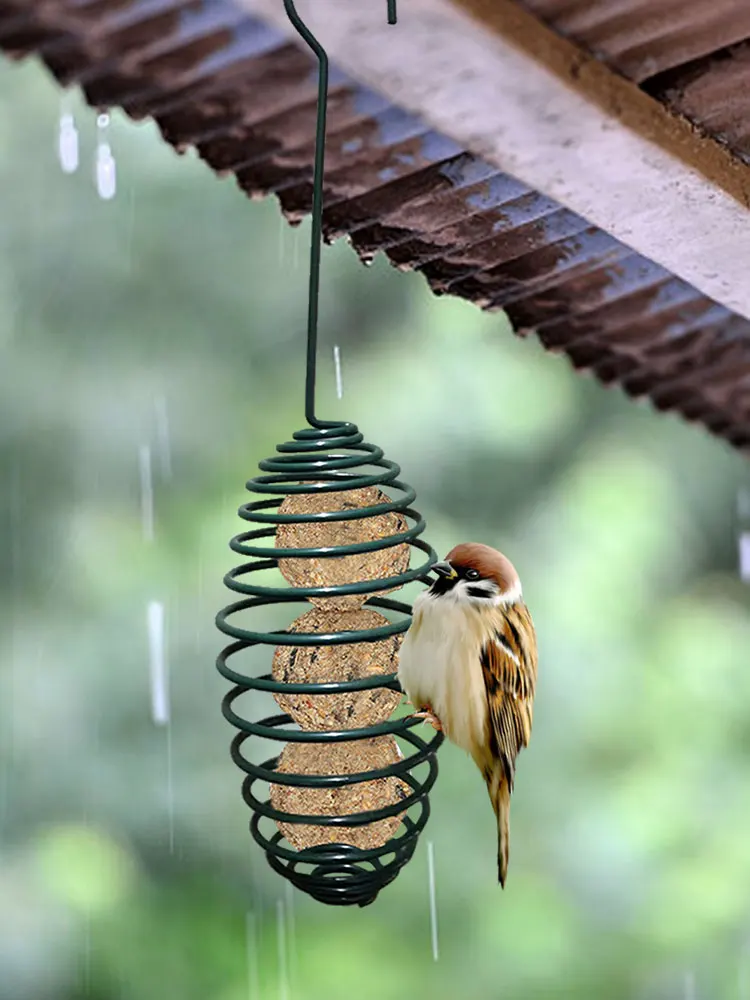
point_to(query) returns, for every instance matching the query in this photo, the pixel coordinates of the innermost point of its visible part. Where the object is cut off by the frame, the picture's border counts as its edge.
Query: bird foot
(427, 715)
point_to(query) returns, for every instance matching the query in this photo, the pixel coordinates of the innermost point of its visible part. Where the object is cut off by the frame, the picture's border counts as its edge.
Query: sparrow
(468, 663)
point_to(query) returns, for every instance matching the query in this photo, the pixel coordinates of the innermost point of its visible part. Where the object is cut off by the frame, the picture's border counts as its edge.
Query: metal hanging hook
(317, 206)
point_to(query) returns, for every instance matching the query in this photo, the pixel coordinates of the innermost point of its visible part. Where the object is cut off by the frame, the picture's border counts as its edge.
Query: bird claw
(427, 715)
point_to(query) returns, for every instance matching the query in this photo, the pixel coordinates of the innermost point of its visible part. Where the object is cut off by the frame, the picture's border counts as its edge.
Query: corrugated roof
(644, 37)
(693, 55)
(218, 79)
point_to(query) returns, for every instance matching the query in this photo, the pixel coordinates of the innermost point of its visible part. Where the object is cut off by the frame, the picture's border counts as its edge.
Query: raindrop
(433, 903)
(743, 510)
(106, 171)
(367, 259)
(745, 556)
(67, 144)
(337, 366)
(147, 492)
(160, 701)
(158, 664)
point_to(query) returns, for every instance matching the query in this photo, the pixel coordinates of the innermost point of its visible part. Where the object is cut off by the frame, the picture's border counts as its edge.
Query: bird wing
(509, 667)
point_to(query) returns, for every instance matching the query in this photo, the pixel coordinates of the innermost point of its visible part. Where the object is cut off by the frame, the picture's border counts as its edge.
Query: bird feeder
(330, 512)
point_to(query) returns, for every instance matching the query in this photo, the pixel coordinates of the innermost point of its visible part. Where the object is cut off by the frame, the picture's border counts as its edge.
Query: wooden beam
(492, 77)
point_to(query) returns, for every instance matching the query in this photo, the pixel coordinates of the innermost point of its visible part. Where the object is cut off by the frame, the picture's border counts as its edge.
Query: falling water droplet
(743, 511)
(433, 902)
(158, 664)
(367, 259)
(745, 556)
(106, 171)
(67, 144)
(147, 492)
(160, 699)
(337, 367)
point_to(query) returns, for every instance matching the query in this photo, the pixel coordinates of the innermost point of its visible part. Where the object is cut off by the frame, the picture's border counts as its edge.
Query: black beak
(444, 569)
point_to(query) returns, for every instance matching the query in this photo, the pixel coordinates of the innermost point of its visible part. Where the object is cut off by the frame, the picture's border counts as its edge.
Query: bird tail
(498, 787)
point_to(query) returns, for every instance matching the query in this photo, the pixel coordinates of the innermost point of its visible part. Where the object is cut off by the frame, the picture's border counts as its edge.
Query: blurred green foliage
(630, 864)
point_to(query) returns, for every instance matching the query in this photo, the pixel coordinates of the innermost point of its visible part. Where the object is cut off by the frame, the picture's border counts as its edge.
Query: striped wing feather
(509, 666)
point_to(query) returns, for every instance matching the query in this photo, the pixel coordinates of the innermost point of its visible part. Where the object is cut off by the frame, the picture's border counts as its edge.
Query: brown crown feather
(488, 562)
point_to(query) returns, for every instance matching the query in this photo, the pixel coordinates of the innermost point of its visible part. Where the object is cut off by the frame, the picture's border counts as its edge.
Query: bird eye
(472, 574)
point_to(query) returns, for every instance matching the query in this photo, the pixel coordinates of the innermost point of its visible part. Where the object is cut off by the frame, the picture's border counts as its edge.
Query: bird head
(476, 574)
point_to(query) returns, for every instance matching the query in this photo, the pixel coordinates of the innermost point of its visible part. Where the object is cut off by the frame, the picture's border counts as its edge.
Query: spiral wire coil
(321, 460)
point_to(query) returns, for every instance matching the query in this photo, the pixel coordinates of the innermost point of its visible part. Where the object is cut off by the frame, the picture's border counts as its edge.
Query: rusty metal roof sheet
(215, 78)
(641, 38)
(693, 55)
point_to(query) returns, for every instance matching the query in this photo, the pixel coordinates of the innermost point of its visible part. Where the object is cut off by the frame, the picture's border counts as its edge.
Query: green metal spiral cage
(323, 459)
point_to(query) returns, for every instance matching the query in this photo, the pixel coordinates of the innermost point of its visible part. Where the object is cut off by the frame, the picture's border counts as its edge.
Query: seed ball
(337, 570)
(340, 758)
(321, 664)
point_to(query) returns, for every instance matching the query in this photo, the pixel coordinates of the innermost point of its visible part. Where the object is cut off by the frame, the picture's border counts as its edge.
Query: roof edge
(566, 125)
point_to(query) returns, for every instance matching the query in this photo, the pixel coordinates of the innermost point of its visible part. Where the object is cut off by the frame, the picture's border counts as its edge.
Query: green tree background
(630, 864)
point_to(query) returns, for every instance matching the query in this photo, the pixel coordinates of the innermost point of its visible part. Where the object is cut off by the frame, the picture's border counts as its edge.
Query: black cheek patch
(442, 586)
(479, 592)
